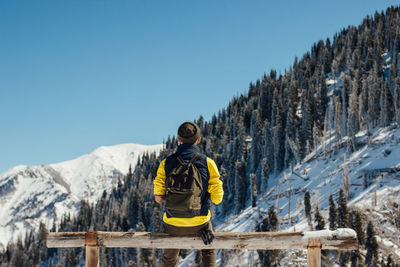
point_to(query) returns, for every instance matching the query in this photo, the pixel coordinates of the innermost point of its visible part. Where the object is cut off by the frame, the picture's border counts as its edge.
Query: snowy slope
(30, 194)
(376, 164)
(373, 168)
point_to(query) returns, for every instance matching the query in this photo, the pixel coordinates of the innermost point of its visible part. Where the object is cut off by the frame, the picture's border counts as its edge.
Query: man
(198, 222)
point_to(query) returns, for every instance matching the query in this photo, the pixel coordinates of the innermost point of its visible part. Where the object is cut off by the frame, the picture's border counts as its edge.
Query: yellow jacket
(214, 189)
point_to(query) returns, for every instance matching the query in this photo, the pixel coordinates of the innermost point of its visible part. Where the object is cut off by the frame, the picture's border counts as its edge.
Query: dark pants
(170, 256)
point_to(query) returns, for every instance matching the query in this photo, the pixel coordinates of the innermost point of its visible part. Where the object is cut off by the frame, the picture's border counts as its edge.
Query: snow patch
(340, 232)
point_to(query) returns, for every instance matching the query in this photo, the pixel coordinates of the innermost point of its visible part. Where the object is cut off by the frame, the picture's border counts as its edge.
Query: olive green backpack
(183, 188)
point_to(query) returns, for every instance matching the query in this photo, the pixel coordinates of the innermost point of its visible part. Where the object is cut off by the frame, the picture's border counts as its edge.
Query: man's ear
(179, 140)
(198, 140)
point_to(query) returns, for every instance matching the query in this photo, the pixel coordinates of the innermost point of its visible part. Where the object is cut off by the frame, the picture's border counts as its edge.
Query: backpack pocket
(179, 199)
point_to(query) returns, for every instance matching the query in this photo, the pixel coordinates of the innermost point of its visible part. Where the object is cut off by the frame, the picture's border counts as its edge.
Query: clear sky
(78, 74)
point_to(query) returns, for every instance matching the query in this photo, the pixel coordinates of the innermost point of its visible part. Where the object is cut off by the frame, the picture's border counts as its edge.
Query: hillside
(371, 167)
(30, 194)
(373, 172)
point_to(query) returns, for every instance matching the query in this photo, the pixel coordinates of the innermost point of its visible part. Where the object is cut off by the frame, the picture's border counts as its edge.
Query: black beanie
(188, 132)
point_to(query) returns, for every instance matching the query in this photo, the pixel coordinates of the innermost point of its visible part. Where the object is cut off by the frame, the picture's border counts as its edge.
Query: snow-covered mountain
(30, 194)
(374, 174)
(373, 171)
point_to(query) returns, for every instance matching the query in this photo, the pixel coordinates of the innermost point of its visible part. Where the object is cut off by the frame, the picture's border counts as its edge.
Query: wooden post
(91, 250)
(314, 252)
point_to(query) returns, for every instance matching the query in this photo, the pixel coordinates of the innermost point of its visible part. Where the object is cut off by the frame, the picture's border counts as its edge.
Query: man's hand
(207, 235)
(159, 199)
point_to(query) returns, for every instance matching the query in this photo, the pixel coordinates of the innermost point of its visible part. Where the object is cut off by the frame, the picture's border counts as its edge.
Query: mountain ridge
(46, 192)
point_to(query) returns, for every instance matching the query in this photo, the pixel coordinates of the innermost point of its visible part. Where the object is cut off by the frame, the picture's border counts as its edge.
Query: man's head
(189, 133)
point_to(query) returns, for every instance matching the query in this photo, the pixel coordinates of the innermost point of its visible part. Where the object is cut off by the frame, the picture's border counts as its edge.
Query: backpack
(183, 187)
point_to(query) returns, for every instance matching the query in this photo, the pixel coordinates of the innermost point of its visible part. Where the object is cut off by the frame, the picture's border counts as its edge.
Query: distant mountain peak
(30, 194)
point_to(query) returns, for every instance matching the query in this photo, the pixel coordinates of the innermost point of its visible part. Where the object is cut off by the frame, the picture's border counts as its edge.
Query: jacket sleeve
(159, 181)
(214, 183)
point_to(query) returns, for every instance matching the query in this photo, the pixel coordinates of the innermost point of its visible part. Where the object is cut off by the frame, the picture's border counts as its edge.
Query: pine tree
(346, 178)
(332, 214)
(197, 259)
(389, 261)
(268, 147)
(385, 106)
(240, 186)
(278, 131)
(269, 223)
(264, 175)
(256, 135)
(273, 219)
(344, 258)
(356, 225)
(374, 96)
(371, 258)
(355, 258)
(353, 120)
(143, 255)
(253, 188)
(224, 257)
(396, 99)
(345, 105)
(363, 105)
(307, 124)
(293, 101)
(307, 208)
(327, 128)
(129, 177)
(343, 217)
(338, 117)
(343, 222)
(225, 206)
(318, 219)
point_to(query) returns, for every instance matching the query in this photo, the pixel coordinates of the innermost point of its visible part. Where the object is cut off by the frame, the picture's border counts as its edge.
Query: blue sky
(78, 74)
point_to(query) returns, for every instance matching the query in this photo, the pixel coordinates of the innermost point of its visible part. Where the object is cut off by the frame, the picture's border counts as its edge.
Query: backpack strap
(196, 156)
(181, 161)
